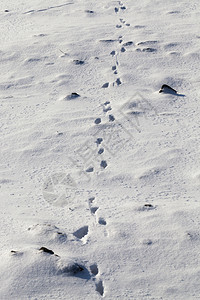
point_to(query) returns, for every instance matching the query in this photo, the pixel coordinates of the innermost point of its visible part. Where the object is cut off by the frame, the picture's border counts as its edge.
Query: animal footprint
(113, 52)
(118, 81)
(106, 109)
(78, 62)
(98, 282)
(99, 141)
(72, 96)
(91, 200)
(120, 39)
(94, 269)
(90, 170)
(149, 50)
(147, 43)
(97, 121)
(147, 207)
(114, 68)
(93, 210)
(103, 164)
(89, 11)
(105, 85)
(111, 118)
(81, 232)
(116, 9)
(102, 221)
(118, 26)
(101, 150)
(123, 49)
(130, 43)
(100, 287)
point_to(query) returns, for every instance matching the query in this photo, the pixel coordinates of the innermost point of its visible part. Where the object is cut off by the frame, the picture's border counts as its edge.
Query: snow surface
(96, 164)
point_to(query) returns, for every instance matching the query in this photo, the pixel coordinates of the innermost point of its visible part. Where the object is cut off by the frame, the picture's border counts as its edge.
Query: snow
(97, 165)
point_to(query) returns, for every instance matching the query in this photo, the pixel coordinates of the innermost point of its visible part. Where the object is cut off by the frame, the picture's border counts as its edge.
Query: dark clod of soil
(148, 205)
(44, 249)
(167, 89)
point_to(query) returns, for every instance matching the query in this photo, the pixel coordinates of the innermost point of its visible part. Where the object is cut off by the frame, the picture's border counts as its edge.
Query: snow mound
(48, 232)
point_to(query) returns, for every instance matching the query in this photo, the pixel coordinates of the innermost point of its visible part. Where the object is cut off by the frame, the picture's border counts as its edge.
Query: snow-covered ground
(96, 164)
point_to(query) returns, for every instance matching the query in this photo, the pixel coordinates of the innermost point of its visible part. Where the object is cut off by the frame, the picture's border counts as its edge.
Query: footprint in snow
(106, 109)
(100, 287)
(105, 85)
(103, 164)
(99, 141)
(89, 11)
(91, 200)
(146, 43)
(78, 62)
(101, 150)
(72, 96)
(90, 170)
(118, 81)
(111, 118)
(102, 221)
(147, 207)
(90, 203)
(94, 269)
(94, 209)
(130, 43)
(139, 26)
(149, 50)
(97, 121)
(113, 53)
(81, 232)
